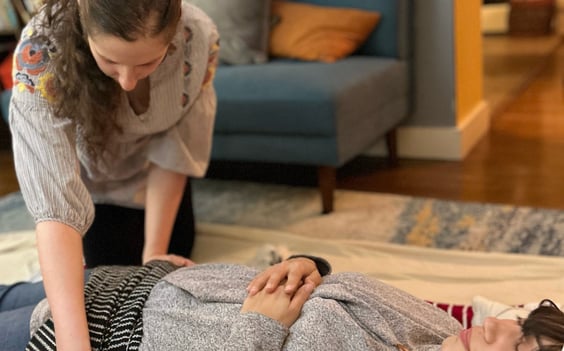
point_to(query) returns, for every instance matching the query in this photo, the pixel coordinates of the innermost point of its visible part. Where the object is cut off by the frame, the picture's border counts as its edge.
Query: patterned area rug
(396, 219)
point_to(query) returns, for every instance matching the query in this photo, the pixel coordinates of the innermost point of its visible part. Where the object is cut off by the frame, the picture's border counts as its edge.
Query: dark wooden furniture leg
(327, 180)
(327, 175)
(392, 146)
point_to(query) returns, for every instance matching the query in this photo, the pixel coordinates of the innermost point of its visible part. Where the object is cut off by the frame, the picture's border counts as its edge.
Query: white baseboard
(440, 143)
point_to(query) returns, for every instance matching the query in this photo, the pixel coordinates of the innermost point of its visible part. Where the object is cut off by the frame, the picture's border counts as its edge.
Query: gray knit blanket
(114, 297)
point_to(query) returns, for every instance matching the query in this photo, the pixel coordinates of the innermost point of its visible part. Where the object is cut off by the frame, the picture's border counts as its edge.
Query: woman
(206, 307)
(112, 111)
(115, 295)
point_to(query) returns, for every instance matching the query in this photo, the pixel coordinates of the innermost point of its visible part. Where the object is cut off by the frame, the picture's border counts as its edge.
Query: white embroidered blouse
(60, 182)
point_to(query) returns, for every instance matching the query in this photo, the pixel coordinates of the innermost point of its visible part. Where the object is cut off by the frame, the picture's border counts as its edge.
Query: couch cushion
(386, 39)
(307, 112)
(305, 98)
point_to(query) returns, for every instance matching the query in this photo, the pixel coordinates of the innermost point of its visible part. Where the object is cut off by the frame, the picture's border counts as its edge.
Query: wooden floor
(521, 160)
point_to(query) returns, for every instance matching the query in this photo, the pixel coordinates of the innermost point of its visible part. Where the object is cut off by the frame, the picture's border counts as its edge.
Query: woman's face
(127, 62)
(494, 335)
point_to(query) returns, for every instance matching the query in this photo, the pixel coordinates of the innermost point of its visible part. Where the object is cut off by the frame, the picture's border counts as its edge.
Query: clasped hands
(279, 292)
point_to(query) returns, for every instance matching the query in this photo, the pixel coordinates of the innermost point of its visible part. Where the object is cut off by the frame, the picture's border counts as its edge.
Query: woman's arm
(62, 267)
(164, 192)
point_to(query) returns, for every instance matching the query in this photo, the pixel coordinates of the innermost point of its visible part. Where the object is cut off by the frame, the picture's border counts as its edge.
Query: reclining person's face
(494, 335)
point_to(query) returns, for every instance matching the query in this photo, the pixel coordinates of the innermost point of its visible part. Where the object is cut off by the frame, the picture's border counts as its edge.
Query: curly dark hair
(82, 91)
(546, 321)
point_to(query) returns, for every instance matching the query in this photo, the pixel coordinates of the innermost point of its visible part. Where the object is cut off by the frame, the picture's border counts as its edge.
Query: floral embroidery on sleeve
(212, 64)
(45, 86)
(30, 62)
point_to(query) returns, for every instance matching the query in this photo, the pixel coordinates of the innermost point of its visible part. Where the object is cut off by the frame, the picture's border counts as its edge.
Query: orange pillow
(318, 33)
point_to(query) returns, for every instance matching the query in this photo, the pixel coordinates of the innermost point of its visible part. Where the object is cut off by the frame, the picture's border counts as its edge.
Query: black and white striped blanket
(114, 297)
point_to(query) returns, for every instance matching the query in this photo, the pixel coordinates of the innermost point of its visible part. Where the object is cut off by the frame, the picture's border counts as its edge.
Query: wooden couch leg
(392, 146)
(327, 180)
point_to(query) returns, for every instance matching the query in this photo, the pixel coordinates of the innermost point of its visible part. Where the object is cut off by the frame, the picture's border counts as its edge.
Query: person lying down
(207, 307)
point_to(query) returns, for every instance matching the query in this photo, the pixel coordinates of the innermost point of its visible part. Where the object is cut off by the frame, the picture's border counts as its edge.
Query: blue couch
(319, 114)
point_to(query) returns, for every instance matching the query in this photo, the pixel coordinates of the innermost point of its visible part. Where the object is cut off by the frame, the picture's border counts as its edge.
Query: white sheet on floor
(18, 257)
(439, 275)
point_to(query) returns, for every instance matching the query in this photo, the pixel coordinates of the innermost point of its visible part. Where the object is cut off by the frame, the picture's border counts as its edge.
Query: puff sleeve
(44, 147)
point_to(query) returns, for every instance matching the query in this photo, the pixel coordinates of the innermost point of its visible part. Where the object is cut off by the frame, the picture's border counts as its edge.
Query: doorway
(511, 61)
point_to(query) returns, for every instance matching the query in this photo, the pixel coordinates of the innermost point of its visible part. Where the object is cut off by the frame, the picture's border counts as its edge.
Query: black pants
(117, 234)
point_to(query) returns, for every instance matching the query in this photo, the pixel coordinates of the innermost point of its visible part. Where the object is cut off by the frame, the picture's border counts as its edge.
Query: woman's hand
(293, 272)
(279, 305)
(174, 259)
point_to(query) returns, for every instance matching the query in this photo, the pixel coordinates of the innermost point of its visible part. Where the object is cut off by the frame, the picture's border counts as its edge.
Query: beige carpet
(376, 217)
(423, 222)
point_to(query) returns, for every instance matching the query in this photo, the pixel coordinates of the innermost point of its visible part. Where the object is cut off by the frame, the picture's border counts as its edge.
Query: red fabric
(6, 72)
(462, 313)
